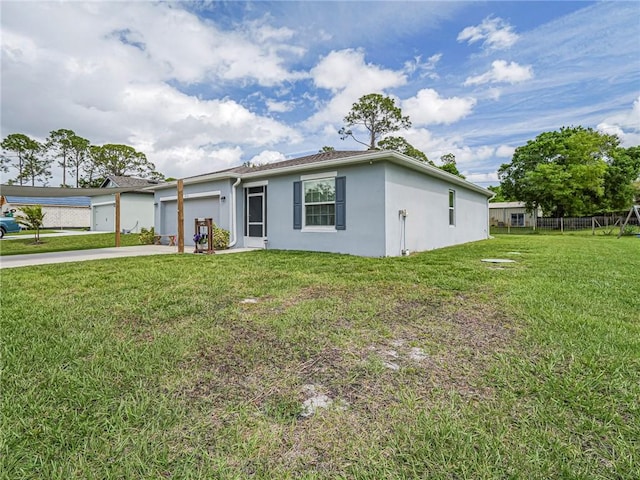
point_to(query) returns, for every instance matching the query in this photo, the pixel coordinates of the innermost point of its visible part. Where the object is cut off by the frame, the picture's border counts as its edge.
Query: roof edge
(373, 155)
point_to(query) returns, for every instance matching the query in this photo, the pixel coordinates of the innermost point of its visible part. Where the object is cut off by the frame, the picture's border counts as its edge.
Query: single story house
(136, 206)
(368, 203)
(512, 214)
(59, 212)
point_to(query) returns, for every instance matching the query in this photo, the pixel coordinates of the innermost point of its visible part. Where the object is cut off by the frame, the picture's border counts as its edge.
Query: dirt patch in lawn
(293, 389)
(446, 343)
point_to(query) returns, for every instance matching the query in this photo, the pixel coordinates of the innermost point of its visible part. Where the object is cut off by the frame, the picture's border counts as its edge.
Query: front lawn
(26, 245)
(297, 365)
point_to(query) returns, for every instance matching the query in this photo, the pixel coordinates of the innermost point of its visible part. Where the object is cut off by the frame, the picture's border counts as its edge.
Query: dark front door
(255, 216)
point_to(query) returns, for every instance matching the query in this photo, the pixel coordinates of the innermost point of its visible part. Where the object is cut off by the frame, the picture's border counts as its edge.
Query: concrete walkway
(13, 261)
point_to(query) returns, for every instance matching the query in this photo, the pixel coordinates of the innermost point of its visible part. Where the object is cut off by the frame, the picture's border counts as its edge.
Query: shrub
(146, 236)
(220, 238)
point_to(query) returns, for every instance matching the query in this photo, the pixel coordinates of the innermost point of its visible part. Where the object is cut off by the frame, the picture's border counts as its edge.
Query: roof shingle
(124, 181)
(315, 158)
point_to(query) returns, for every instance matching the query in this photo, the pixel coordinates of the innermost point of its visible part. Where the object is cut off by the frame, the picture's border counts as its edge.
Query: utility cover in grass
(497, 260)
(317, 401)
(312, 404)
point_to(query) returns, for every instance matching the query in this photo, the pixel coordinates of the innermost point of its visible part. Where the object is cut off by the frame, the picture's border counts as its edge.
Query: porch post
(180, 216)
(118, 219)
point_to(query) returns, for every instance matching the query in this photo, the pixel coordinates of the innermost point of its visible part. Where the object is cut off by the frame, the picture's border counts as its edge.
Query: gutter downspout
(233, 218)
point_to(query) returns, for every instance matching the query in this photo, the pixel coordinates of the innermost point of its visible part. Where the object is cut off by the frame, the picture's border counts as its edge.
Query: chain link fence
(609, 224)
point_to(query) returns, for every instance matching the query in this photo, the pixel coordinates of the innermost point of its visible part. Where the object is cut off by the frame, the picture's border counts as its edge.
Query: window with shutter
(320, 204)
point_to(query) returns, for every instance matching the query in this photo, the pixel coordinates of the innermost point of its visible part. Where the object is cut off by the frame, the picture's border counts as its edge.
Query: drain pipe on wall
(233, 218)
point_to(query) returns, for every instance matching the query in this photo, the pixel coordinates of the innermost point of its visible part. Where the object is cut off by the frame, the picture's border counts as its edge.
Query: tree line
(380, 116)
(574, 171)
(88, 165)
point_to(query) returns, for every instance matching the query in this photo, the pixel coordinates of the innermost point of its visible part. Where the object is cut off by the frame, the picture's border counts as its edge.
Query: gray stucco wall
(426, 200)
(201, 200)
(364, 234)
(375, 192)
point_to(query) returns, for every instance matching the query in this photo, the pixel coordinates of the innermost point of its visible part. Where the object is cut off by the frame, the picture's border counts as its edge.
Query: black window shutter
(341, 203)
(297, 205)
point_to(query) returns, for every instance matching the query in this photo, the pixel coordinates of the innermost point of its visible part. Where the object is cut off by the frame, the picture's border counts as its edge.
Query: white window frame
(452, 207)
(314, 177)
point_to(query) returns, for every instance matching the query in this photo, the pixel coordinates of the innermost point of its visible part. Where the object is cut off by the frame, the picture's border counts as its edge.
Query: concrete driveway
(13, 261)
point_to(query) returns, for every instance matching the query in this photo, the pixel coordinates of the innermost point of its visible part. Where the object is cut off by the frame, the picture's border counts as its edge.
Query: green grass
(155, 368)
(59, 244)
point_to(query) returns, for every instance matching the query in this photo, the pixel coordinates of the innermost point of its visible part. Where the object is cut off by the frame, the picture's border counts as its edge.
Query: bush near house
(220, 238)
(147, 236)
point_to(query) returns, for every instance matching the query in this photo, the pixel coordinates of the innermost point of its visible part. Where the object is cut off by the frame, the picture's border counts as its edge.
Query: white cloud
(173, 118)
(494, 32)
(437, 146)
(428, 108)
(425, 69)
(149, 39)
(626, 125)
(279, 107)
(483, 177)
(111, 79)
(343, 69)
(476, 159)
(502, 72)
(346, 74)
(493, 93)
(186, 161)
(505, 151)
(263, 32)
(267, 156)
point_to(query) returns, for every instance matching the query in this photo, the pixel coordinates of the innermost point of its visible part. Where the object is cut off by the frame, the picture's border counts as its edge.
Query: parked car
(8, 225)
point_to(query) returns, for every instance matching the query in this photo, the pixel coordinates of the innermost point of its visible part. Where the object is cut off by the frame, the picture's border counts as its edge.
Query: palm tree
(32, 218)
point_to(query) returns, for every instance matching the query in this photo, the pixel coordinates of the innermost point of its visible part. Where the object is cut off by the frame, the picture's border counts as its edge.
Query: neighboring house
(136, 207)
(369, 203)
(60, 212)
(512, 214)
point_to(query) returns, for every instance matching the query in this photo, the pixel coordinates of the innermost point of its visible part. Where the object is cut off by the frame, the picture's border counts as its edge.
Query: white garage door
(193, 208)
(200, 208)
(104, 218)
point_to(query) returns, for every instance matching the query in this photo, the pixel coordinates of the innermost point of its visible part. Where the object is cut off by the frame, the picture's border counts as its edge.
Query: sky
(203, 86)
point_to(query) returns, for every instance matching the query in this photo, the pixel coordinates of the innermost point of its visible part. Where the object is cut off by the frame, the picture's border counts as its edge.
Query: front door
(255, 216)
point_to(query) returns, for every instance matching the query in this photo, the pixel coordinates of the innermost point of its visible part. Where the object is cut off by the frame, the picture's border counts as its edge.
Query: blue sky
(201, 86)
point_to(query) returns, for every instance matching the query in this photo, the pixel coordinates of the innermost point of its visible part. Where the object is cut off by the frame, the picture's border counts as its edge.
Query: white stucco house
(136, 207)
(368, 203)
